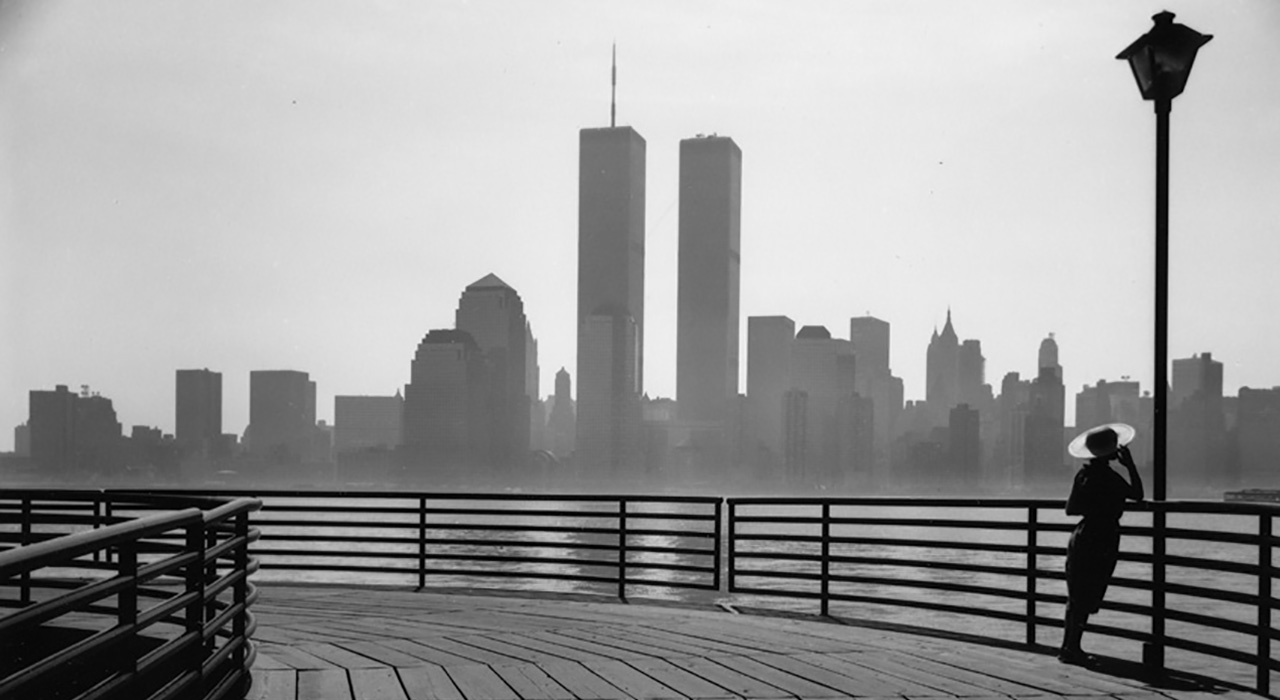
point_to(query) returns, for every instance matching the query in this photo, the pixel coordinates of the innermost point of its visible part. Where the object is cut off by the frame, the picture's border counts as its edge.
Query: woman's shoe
(1076, 657)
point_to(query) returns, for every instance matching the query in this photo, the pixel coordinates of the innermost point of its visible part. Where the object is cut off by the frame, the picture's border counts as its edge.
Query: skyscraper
(769, 340)
(51, 420)
(707, 338)
(444, 402)
(367, 422)
(611, 241)
(609, 411)
(492, 313)
(561, 423)
(970, 373)
(870, 338)
(942, 368)
(282, 415)
(198, 410)
(820, 372)
(1197, 424)
(1044, 445)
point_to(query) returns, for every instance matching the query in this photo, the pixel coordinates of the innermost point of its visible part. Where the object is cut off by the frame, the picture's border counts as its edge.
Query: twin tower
(611, 245)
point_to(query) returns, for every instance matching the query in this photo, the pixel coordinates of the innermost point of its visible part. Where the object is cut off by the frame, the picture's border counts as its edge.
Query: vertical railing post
(97, 522)
(1032, 581)
(1264, 604)
(195, 585)
(25, 593)
(210, 576)
(622, 548)
(733, 546)
(109, 515)
(826, 556)
(715, 574)
(422, 542)
(127, 605)
(240, 596)
(1153, 651)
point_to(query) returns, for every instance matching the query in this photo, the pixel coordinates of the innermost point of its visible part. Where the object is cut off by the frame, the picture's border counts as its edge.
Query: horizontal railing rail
(615, 543)
(995, 563)
(72, 589)
(1001, 560)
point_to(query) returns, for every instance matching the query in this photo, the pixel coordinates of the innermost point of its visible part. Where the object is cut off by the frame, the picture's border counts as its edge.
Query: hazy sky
(310, 185)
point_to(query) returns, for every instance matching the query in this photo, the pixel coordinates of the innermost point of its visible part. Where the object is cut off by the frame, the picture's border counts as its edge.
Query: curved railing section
(615, 544)
(110, 594)
(1195, 578)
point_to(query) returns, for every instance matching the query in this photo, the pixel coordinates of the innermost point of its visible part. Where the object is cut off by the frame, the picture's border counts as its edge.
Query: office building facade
(708, 277)
(610, 320)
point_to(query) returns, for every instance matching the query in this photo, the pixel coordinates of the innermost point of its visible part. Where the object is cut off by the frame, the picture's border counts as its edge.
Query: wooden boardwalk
(322, 643)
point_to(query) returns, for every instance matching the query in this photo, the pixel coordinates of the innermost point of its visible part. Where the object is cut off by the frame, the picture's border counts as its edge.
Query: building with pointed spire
(942, 371)
(610, 319)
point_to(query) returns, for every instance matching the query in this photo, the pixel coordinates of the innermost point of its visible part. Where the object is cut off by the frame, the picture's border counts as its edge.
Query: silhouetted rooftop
(489, 281)
(814, 333)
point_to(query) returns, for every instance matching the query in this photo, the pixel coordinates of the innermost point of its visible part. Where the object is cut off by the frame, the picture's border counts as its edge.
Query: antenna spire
(613, 91)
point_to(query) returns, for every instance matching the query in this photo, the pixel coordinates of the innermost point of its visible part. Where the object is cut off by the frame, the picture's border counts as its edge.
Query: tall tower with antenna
(611, 238)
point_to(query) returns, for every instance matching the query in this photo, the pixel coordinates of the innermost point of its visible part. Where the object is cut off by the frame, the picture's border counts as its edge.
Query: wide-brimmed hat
(1102, 441)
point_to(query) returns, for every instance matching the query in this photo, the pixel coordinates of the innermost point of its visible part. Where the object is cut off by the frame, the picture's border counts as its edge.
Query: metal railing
(993, 567)
(611, 543)
(1001, 560)
(75, 577)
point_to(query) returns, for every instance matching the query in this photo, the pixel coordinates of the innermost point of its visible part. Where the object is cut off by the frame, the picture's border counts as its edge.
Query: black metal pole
(1154, 653)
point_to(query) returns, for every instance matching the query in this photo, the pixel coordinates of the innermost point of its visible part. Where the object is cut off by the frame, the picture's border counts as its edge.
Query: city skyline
(236, 207)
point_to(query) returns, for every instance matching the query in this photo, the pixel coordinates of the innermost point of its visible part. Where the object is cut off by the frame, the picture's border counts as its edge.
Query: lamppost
(1161, 61)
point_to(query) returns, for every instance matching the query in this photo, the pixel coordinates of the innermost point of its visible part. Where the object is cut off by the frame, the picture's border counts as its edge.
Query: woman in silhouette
(1098, 494)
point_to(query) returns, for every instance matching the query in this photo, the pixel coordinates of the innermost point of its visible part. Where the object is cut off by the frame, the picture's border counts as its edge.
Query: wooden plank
(707, 646)
(873, 682)
(609, 638)
(578, 680)
(532, 683)
(737, 683)
(1044, 673)
(674, 644)
(781, 680)
(505, 648)
(324, 684)
(933, 683)
(426, 653)
(476, 654)
(266, 662)
(679, 679)
(295, 658)
(539, 641)
(381, 653)
(479, 682)
(339, 656)
(631, 681)
(984, 684)
(273, 685)
(563, 640)
(376, 684)
(427, 683)
(835, 681)
(769, 639)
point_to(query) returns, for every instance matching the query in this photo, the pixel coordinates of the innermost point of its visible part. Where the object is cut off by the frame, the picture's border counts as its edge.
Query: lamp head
(1161, 59)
